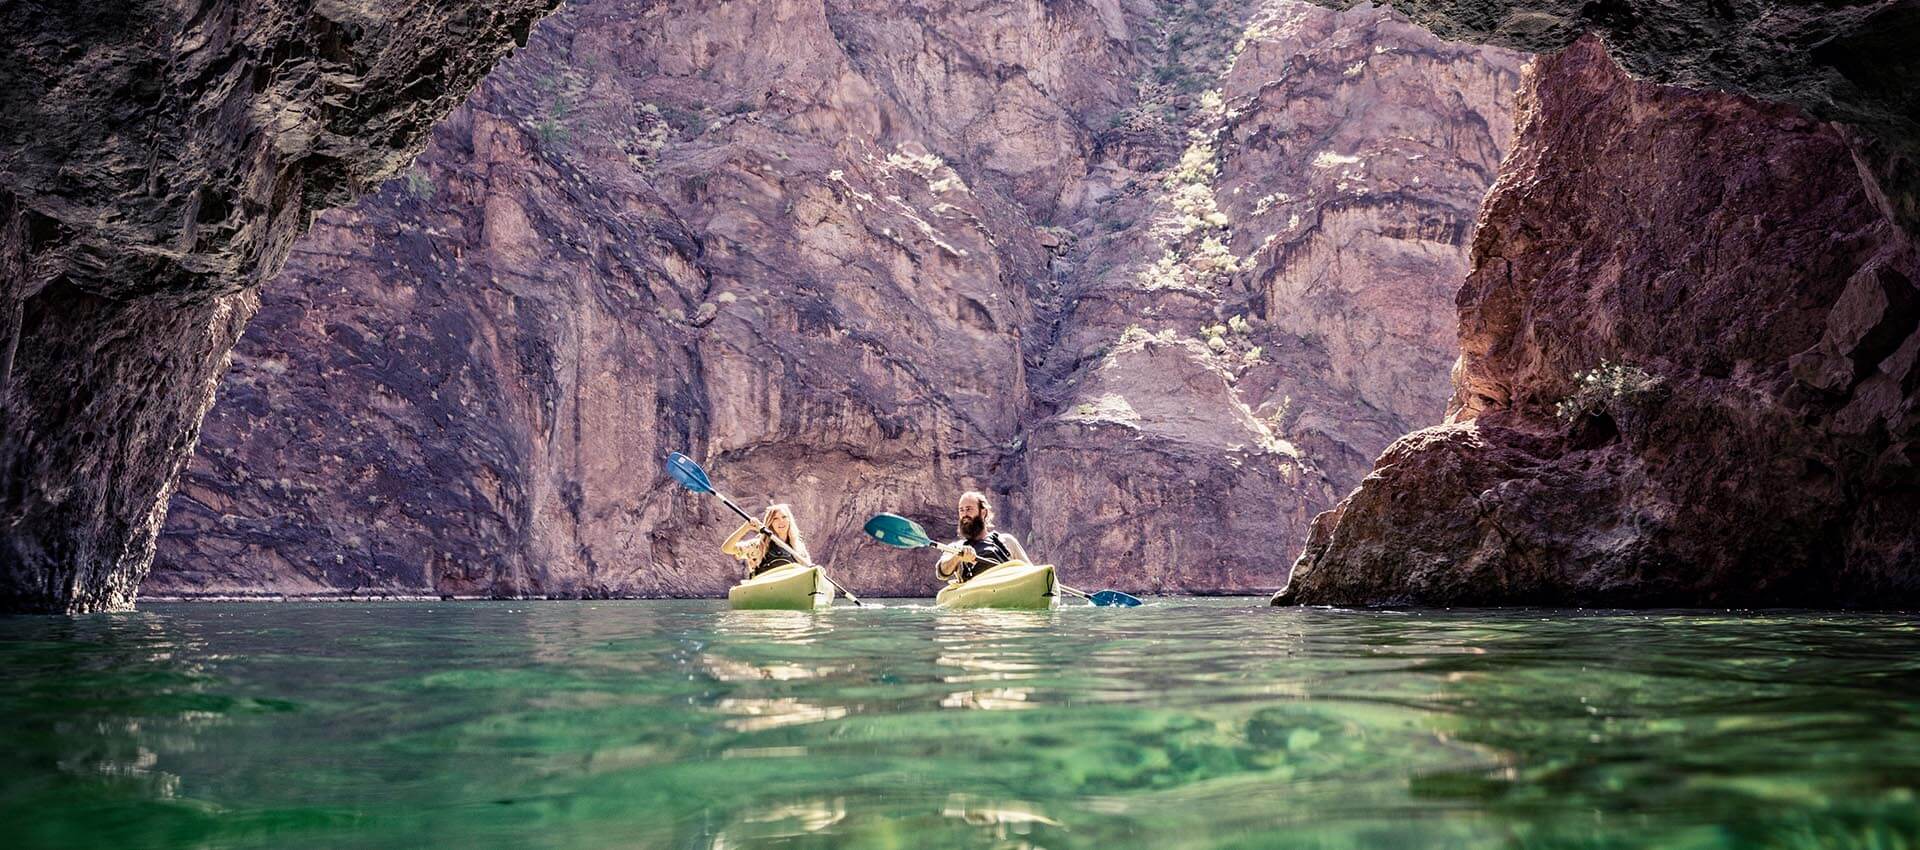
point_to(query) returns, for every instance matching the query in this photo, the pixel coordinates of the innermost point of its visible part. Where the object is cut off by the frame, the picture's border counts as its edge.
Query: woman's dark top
(987, 552)
(774, 557)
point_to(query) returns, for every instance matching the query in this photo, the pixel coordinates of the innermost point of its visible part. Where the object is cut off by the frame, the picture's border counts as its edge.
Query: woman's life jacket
(771, 555)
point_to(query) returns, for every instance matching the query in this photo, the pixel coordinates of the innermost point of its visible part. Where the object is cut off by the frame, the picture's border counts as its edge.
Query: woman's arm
(730, 548)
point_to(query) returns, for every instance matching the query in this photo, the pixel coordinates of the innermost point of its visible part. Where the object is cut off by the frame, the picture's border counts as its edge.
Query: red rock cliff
(859, 257)
(1688, 373)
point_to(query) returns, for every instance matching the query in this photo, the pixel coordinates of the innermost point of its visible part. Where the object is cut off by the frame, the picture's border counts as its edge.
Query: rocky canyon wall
(1164, 277)
(1275, 314)
(1688, 375)
(157, 162)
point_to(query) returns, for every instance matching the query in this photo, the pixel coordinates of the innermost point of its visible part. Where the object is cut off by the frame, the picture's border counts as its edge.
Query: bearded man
(980, 545)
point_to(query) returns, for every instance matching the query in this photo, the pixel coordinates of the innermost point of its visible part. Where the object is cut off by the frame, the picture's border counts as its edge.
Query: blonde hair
(794, 539)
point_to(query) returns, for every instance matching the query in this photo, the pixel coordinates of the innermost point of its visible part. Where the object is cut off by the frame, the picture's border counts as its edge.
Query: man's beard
(971, 527)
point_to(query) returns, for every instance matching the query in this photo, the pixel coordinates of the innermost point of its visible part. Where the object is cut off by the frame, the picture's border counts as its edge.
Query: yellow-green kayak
(794, 587)
(1014, 584)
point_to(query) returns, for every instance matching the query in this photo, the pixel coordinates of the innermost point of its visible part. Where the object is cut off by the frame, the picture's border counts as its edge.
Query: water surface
(1182, 724)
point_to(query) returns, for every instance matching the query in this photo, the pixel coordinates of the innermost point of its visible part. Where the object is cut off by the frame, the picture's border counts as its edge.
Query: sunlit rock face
(860, 257)
(157, 162)
(1688, 373)
(1279, 308)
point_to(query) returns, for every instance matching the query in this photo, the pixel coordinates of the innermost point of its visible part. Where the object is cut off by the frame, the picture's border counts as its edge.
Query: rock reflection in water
(754, 715)
(787, 820)
(791, 627)
(987, 645)
(1010, 822)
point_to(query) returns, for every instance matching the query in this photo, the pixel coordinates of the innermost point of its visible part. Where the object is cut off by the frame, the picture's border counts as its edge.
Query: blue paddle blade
(688, 473)
(897, 531)
(1114, 598)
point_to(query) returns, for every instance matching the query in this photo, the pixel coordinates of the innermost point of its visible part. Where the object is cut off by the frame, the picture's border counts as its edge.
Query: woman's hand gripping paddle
(692, 477)
(902, 533)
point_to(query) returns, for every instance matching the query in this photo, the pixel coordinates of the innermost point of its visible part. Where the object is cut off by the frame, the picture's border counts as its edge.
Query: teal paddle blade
(688, 473)
(897, 531)
(1113, 599)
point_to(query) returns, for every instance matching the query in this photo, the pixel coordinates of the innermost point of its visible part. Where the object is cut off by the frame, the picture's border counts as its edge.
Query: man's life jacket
(988, 552)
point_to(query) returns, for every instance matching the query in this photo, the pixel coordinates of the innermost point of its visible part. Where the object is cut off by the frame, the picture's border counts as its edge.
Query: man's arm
(1013, 547)
(949, 565)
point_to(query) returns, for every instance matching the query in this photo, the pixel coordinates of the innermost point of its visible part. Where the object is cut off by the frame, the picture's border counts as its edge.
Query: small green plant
(1165, 273)
(1212, 104)
(552, 132)
(419, 185)
(1196, 166)
(1214, 261)
(1277, 420)
(1197, 208)
(1596, 387)
(689, 122)
(651, 135)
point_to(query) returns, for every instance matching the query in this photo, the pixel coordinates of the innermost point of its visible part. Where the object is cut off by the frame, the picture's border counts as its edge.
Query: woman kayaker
(758, 552)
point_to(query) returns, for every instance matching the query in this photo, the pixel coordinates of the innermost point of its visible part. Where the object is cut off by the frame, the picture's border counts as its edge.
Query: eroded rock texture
(861, 256)
(1276, 313)
(157, 162)
(1852, 62)
(1688, 373)
(1842, 61)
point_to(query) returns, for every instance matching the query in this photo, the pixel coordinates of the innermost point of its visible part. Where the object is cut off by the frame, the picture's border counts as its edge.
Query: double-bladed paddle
(692, 477)
(902, 533)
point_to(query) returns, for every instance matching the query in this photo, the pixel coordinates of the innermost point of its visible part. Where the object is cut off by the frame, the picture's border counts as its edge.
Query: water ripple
(1185, 723)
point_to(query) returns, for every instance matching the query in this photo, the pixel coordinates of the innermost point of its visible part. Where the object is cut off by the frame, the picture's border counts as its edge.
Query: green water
(1216, 723)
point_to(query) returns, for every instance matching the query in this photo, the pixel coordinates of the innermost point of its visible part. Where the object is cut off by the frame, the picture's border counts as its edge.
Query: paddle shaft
(775, 540)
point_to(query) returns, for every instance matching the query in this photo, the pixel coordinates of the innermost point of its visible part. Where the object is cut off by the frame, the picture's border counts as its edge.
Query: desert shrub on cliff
(552, 132)
(1608, 382)
(1196, 165)
(420, 185)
